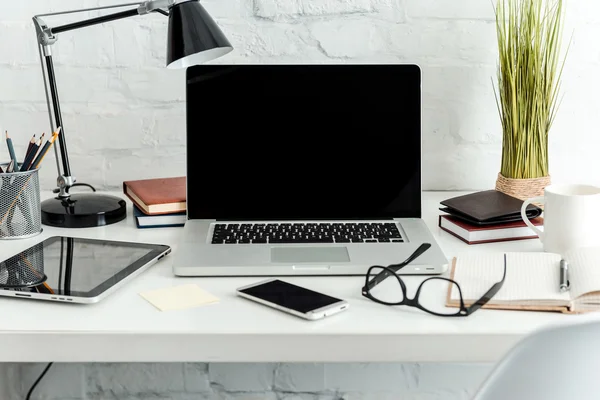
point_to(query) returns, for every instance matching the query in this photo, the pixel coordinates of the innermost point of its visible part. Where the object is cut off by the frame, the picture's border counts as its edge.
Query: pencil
(41, 140)
(31, 143)
(31, 155)
(38, 160)
(11, 150)
(39, 146)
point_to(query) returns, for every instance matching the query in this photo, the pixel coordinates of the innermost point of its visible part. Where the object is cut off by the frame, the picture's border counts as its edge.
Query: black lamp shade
(194, 37)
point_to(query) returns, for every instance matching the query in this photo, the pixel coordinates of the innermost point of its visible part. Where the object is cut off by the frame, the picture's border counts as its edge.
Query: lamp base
(83, 210)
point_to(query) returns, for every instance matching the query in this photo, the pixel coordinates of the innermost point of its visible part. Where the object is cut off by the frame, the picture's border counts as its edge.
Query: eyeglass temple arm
(489, 294)
(384, 274)
(418, 252)
(380, 277)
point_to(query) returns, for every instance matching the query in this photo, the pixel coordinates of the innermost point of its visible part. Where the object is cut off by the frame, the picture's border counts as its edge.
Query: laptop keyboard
(306, 233)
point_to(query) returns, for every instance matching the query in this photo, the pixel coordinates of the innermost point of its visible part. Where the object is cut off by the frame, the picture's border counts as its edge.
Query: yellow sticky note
(179, 297)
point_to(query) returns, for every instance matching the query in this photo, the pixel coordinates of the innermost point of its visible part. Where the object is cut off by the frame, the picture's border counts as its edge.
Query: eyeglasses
(392, 292)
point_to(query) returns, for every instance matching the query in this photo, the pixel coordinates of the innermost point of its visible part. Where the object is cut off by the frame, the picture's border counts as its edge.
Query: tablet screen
(76, 267)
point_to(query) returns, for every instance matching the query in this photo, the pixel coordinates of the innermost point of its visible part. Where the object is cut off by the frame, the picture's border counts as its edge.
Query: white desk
(125, 328)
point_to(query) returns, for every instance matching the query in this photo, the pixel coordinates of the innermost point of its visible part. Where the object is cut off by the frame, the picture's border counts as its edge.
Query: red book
(473, 234)
(157, 196)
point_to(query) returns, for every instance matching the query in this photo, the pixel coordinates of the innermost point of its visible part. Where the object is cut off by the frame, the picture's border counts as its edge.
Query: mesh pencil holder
(20, 206)
(24, 270)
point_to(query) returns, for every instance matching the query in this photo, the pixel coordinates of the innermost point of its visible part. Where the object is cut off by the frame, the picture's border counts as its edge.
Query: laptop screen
(303, 141)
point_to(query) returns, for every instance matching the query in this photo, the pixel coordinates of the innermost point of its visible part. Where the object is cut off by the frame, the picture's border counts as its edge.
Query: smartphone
(293, 299)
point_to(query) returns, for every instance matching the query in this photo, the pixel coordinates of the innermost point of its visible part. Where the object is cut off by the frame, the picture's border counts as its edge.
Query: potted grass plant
(528, 82)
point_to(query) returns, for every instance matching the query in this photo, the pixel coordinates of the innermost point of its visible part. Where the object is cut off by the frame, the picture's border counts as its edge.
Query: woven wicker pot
(522, 188)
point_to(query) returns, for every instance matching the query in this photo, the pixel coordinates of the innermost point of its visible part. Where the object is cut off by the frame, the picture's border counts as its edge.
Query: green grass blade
(529, 71)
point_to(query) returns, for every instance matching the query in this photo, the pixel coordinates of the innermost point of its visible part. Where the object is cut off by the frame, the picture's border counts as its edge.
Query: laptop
(303, 170)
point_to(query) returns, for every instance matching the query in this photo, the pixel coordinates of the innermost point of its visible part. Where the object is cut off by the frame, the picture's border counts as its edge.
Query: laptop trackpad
(309, 254)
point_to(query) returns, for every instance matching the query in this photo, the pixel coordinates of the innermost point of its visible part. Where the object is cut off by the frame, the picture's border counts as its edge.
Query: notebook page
(529, 276)
(584, 270)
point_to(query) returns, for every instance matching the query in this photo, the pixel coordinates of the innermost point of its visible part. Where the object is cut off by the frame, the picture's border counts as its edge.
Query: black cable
(38, 381)
(84, 184)
(76, 184)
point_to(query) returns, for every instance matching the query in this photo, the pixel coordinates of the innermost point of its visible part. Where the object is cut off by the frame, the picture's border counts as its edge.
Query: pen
(11, 150)
(564, 276)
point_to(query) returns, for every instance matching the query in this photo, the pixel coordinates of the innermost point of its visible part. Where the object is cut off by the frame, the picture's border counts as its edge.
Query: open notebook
(532, 280)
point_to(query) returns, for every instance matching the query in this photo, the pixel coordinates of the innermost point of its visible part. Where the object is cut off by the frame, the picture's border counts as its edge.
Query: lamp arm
(46, 34)
(145, 7)
(46, 37)
(94, 21)
(90, 9)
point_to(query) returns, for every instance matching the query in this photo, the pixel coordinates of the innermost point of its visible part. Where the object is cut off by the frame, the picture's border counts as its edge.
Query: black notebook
(488, 207)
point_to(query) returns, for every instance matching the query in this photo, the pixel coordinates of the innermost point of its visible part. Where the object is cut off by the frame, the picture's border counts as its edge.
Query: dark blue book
(158, 221)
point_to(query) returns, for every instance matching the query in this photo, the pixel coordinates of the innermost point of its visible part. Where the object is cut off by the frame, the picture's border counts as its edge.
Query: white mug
(571, 217)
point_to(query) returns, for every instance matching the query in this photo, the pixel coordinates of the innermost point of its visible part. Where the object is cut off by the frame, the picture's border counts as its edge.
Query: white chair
(561, 362)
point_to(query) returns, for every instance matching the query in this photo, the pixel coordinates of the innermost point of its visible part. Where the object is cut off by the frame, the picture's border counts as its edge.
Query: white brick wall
(123, 108)
(124, 117)
(172, 381)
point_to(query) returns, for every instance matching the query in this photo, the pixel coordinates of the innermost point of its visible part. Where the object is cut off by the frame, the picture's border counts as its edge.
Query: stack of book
(157, 202)
(487, 217)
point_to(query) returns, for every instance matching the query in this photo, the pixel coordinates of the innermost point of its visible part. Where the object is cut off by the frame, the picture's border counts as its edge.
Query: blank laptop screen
(303, 141)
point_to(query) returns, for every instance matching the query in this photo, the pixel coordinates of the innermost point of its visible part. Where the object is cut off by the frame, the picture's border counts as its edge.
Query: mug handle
(526, 203)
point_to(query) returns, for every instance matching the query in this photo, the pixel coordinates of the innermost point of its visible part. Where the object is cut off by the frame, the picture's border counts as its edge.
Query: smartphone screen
(290, 296)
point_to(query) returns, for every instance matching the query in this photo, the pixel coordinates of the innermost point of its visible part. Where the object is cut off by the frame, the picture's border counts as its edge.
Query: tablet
(75, 270)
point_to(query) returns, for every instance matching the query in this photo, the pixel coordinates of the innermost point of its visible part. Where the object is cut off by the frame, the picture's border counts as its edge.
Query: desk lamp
(193, 38)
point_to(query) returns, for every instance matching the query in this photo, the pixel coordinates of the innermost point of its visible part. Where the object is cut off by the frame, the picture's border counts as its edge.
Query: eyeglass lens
(430, 299)
(389, 290)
